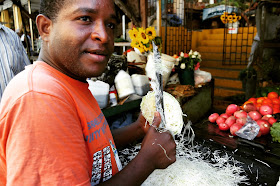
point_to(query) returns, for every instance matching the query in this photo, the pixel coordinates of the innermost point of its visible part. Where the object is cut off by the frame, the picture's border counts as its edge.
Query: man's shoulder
(44, 78)
(8, 31)
(36, 78)
(9, 36)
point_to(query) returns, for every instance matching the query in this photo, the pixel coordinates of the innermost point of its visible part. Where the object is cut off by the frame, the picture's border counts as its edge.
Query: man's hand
(143, 123)
(159, 149)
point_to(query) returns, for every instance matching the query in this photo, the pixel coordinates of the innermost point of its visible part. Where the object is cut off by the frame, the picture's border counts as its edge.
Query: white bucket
(167, 66)
(124, 84)
(141, 84)
(100, 91)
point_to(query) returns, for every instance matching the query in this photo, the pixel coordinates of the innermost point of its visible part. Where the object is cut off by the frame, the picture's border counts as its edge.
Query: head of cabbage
(172, 111)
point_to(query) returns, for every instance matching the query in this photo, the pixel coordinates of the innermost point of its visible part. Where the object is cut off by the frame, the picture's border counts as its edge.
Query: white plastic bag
(250, 130)
(201, 76)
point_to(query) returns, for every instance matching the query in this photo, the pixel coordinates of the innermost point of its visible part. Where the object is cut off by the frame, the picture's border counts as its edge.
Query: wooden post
(30, 24)
(159, 17)
(17, 18)
(144, 13)
(5, 18)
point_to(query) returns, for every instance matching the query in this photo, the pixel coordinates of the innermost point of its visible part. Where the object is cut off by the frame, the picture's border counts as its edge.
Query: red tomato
(258, 106)
(260, 100)
(266, 109)
(234, 128)
(212, 118)
(264, 126)
(272, 120)
(223, 126)
(272, 95)
(259, 134)
(276, 110)
(267, 102)
(253, 100)
(249, 107)
(275, 101)
(276, 107)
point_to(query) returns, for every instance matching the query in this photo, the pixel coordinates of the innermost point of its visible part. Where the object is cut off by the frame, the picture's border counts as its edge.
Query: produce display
(259, 109)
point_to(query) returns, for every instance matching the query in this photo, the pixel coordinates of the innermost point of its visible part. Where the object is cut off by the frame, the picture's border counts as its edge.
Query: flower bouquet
(141, 39)
(186, 64)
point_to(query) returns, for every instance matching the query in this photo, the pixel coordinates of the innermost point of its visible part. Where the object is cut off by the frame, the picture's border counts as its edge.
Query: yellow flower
(134, 43)
(142, 36)
(140, 47)
(133, 33)
(151, 32)
(148, 47)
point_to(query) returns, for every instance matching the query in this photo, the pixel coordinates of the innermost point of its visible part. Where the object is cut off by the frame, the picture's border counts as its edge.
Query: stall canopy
(218, 11)
(5, 4)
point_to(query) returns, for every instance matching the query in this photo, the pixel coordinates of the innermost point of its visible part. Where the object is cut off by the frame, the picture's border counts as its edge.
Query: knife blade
(159, 85)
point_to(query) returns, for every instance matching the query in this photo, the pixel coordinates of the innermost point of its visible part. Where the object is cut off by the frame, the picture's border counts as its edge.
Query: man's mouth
(96, 52)
(97, 55)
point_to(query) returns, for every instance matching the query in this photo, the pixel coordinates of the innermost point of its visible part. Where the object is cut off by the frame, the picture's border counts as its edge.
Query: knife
(159, 85)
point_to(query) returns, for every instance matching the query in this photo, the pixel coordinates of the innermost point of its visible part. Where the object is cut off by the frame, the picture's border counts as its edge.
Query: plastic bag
(201, 76)
(250, 130)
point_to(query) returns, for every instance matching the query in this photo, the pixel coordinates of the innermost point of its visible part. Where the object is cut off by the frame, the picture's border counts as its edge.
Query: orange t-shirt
(52, 132)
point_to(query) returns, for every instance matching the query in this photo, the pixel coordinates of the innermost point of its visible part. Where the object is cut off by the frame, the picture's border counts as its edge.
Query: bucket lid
(164, 57)
(168, 58)
(133, 57)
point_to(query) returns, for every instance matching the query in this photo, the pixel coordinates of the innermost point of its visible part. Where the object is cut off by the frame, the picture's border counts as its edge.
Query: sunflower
(151, 32)
(133, 33)
(134, 43)
(148, 47)
(142, 36)
(140, 47)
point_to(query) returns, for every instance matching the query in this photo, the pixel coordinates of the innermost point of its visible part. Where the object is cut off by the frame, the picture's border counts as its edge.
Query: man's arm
(130, 133)
(158, 151)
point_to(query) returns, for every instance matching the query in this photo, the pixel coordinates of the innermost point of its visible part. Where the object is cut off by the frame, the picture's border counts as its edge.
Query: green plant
(247, 73)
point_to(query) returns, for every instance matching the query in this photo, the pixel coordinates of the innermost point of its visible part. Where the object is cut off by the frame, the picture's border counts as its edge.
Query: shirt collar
(1, 26)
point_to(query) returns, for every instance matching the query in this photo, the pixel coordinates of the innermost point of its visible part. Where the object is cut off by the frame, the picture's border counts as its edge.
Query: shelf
(120, 109)
(122, 44)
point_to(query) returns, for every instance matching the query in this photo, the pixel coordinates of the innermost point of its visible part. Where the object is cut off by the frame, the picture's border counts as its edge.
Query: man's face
(81, 40)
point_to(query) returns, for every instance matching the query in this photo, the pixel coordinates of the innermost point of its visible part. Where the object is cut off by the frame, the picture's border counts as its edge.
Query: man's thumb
(157, 119)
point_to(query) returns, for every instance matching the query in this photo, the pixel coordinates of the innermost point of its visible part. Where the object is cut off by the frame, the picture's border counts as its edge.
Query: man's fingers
(157, 119)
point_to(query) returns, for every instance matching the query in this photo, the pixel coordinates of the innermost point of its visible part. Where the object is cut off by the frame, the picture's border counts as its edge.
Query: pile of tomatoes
(272, 100)
(259, 109)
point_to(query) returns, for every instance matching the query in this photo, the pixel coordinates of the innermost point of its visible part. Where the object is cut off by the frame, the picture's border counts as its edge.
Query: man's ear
(44, 26)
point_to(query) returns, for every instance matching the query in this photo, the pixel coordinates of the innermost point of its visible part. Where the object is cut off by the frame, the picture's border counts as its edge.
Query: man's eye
(111, 25)
(85, 18)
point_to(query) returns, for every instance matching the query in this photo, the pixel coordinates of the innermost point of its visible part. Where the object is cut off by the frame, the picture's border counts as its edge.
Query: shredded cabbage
(196, 165)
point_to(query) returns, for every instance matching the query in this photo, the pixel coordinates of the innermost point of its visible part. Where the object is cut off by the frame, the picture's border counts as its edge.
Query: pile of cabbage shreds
(193, 166)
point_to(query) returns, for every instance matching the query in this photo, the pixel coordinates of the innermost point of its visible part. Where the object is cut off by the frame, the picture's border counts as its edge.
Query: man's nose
(99, 32)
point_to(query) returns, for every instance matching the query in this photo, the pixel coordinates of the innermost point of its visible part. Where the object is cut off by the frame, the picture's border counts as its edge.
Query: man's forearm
(127, 134)
(135, 173)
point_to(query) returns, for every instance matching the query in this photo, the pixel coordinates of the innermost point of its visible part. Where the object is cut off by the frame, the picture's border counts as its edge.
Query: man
(25, 39)
(13, 57)
(52, 131)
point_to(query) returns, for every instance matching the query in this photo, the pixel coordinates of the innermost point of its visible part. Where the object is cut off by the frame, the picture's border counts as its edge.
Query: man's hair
(51, 8)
